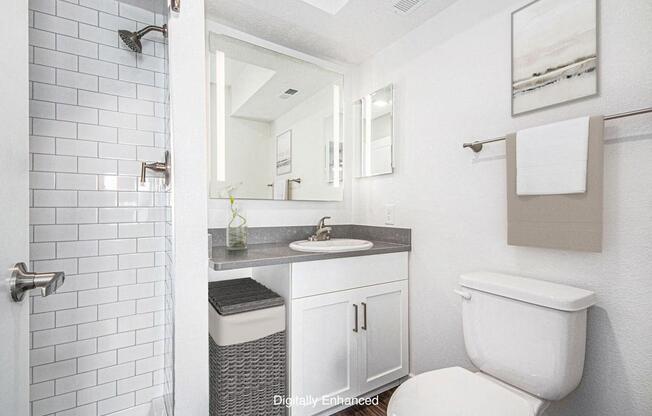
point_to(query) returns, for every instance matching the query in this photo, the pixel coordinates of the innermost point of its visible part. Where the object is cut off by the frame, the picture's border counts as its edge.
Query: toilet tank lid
(538, 292)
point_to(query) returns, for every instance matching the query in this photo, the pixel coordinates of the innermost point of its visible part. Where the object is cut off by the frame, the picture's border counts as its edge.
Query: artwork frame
(558, 69)
(284, 153)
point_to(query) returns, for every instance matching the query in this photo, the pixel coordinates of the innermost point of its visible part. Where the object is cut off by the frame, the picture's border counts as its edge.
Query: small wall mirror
(275, 125)
(373, 117)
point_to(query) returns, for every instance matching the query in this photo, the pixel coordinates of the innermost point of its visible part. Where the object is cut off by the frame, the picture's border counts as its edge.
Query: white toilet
(527, 337)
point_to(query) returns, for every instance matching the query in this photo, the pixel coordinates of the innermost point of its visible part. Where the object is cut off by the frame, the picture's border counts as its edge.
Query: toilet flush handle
(462, 293)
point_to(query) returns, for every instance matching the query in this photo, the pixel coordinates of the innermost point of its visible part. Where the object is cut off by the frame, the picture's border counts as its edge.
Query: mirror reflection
(276, 125)
(374, 132)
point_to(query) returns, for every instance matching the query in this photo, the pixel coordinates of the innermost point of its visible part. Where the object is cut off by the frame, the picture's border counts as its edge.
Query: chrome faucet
(322, 232)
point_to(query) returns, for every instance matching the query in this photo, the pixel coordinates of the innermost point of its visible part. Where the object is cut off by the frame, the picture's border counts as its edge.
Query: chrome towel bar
(476, 146)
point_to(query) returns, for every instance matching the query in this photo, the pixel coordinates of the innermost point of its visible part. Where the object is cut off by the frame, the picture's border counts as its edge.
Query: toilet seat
(458, 392)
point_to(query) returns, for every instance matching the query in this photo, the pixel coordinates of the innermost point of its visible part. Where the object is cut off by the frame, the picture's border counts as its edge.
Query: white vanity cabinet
(347, 325)
(324, 354)
(383, 348)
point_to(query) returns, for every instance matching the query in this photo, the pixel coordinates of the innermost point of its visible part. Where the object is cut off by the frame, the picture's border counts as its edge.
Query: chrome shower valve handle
(162, 167)
(22, 281)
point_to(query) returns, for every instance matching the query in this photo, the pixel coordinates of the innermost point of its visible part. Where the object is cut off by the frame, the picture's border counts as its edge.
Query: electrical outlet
(389, 214)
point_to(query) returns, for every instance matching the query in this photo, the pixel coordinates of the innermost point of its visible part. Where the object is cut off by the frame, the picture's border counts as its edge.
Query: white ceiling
(330, 6)
(351, 35)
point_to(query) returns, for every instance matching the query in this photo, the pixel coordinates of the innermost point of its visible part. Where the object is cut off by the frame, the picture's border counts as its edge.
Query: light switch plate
(389, 214)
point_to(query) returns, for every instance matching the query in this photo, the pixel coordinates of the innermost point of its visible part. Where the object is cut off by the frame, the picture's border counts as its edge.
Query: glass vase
(236, 238)
(236, 231)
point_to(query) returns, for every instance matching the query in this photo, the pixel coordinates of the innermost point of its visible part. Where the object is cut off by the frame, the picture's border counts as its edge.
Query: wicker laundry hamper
(247, 349)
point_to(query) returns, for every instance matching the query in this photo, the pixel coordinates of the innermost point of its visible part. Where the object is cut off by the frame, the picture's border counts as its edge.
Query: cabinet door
(323, 349)
(383, 350)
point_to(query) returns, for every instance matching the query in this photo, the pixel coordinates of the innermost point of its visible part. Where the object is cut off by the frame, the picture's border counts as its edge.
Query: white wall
(189, 193)
(14, 200)
(452, 78)
(97, 109)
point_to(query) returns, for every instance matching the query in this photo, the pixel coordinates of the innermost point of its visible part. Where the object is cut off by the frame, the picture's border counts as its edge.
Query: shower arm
(163, 29)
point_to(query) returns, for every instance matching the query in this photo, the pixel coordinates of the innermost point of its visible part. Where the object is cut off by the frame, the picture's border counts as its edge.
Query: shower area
(100, 208)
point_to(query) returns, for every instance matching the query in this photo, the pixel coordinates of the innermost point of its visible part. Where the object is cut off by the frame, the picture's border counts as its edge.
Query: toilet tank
(528, 333)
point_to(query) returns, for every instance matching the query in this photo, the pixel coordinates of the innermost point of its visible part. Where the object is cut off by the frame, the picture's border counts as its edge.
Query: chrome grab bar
(22, 281)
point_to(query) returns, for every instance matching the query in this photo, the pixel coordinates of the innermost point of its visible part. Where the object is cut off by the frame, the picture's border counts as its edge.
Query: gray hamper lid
(229, 297)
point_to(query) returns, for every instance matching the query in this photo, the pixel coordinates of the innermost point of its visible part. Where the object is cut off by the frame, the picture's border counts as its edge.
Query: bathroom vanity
(347, 313)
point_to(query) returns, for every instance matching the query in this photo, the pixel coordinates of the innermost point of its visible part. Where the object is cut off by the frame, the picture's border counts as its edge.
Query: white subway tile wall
(102, 344)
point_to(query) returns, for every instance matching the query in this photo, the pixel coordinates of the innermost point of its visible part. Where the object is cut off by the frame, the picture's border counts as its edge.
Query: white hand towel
(280, 189)
(552, 159)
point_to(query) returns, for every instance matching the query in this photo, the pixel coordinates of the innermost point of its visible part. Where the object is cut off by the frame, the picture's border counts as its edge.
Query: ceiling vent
(406, 6)
(288, 93)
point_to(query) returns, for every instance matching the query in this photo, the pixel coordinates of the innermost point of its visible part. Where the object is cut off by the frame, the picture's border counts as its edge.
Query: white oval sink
(334, 245)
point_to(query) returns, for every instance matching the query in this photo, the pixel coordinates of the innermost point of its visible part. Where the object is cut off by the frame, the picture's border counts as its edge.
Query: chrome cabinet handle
(21, 281)
(364, 316)
(355, 308)
(163, 167)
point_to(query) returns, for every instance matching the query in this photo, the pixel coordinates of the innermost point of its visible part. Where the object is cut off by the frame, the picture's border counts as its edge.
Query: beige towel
(567, 222)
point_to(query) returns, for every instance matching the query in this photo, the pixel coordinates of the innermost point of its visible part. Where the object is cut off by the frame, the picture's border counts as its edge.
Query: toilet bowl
(459, 392)
(526, 336)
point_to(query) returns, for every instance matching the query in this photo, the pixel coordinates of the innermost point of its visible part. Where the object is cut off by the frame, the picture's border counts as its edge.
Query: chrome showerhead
(132, 39)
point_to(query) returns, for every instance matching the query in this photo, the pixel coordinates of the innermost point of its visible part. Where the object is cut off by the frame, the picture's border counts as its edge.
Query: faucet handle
(162, 167)
(22, 280)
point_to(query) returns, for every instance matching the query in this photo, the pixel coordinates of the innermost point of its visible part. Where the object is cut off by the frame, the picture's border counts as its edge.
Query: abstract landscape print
(554, 53)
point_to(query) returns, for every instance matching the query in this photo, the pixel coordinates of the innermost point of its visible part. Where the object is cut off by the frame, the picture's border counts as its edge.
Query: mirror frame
(357, 139)
(216, 191)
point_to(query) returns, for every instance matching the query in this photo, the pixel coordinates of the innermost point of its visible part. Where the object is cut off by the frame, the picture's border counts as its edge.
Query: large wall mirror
(275, 126)
(373, 132)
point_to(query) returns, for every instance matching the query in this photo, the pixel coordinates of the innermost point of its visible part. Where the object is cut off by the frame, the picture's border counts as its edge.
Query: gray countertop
(279, 253)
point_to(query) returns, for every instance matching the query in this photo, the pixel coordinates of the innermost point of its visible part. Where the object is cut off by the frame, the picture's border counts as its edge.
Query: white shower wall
(101, 344)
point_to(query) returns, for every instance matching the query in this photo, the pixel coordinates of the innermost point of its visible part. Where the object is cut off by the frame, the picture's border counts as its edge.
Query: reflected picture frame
(284, 153)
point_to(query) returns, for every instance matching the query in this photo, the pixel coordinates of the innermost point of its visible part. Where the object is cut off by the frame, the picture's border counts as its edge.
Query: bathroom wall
(452, 78)
(187, 65)
(97, 110)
